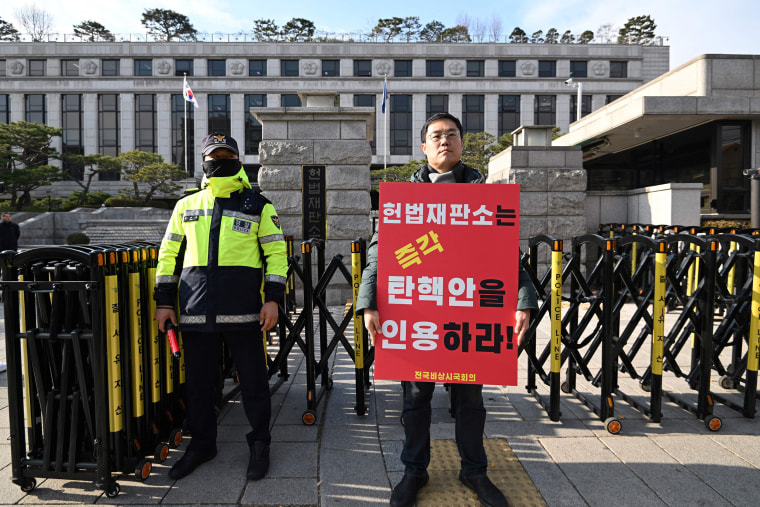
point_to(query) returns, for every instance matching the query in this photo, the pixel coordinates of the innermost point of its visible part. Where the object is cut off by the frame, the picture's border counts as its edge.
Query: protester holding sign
(442, 143)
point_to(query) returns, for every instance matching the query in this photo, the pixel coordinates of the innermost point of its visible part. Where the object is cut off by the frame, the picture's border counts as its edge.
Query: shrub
(77, 238)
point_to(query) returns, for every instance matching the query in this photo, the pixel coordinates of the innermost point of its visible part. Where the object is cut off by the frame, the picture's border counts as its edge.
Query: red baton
(171, 333)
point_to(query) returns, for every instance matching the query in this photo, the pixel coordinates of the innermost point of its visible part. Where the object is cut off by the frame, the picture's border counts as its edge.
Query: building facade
(116, 97)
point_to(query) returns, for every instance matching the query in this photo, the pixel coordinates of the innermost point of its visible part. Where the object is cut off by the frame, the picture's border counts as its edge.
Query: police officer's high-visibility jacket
(221, 243)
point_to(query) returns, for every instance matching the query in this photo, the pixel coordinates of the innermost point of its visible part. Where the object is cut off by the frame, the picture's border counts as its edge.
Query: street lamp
(579, 85)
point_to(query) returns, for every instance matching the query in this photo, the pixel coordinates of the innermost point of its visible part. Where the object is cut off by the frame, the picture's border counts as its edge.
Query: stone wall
(337, 138)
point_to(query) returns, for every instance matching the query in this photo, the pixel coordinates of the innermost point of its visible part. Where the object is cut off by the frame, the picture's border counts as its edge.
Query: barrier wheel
(175, 438)
(613, 425)
(713, 423)
(113, 491)
(564, 387)
(28, 485)
(161, 452)
(142, 470)
(647, 388)
(309, 417)
(727, 382)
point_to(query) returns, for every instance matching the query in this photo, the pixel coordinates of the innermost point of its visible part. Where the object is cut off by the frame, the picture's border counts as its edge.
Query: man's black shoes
(488, 494)
(405, 492)
(258, 464)
(189, 462)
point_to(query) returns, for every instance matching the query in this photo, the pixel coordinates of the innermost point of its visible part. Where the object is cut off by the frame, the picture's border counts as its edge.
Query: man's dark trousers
(201, 352)
(469, 426)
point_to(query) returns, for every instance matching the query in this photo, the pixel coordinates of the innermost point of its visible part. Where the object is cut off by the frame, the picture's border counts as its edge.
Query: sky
(689, 27)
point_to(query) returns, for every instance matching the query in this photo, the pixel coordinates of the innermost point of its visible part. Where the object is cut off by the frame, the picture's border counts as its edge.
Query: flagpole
(185, 102)
(385, 121)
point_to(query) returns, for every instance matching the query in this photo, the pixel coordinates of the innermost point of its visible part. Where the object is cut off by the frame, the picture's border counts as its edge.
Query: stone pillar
(552, 190)
(337, 140)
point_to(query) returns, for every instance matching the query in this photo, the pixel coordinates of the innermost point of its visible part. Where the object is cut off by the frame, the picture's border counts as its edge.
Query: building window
(143, 67)
(545, 110)
(361, 100)
(618, 69)
(37, 68)
(509, 113)
(5, 109)
(612, 98)
(331, 68)
(436, 104)
(2, 68)
(547, 68)
(145, 122)
(473, 107)
(289, 68)
(180, 112)
(401, 125)
(507, 68)
(362, 68)
(253, 129)
(70, 68)
(585, 106)
(475, 68)
(402, 68)
(257, 68)
(108, 131)
(290, 100)
(217, 67)
(183, 67)
(219, 113)
(109, 68)
(578, 68)
(71, 125)
(35, 108)
(434, 68)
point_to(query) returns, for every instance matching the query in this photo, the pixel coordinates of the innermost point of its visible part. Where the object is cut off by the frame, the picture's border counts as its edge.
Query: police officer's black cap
(216, 140)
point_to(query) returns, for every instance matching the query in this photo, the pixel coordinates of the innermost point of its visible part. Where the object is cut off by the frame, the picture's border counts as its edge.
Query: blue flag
(385, 95)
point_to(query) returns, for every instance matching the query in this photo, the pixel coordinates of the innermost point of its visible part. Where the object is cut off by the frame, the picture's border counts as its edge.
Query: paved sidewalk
(345, 459)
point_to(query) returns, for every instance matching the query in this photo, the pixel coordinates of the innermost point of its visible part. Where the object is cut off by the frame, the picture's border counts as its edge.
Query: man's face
(220, 153)
(6, 217)
(443, 145)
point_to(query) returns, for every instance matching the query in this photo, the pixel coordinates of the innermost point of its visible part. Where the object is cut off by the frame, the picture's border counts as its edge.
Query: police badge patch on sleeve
(276, 221)
(243, 226)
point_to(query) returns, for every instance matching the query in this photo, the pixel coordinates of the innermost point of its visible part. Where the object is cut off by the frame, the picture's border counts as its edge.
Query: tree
(605, 33)
(36, 22)
(265, 30)
(537, 37)
(432, 31)
(567, 37)
(145, 169)
(8, 32)
(585, 37)
(97, 164)
(410, 27)
(637, 30)
(388, 28)
(518, 36)
(457, 33)
(552, 36)
(93, 31)
(496, 27)
(395, 173)
(478, 149)
(297, 29)
(167, 25)
(24, 155)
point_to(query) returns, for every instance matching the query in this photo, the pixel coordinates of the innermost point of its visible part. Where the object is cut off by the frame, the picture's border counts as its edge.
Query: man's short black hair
(441, 116)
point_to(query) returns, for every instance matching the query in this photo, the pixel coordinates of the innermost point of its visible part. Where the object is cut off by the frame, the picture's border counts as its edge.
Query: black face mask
(221, 167)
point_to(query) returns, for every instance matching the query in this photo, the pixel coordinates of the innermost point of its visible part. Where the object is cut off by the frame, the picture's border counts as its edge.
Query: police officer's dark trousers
(469, 426)
(201, 351)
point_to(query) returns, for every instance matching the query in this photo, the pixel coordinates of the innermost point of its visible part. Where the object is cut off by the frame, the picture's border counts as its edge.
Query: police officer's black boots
(405, 492)
(258, 464)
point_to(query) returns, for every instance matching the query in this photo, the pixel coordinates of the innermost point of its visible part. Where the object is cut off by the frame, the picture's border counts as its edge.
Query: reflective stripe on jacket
(221, 247)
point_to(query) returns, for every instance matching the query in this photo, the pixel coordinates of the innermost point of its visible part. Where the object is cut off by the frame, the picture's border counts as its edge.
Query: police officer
(223, 260)
(442, 143)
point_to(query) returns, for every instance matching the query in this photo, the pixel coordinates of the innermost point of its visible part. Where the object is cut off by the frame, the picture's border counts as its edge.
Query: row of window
(330, 68)
(402, 138)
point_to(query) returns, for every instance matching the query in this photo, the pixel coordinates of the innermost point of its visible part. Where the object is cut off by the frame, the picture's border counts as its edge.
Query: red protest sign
(447, 283)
